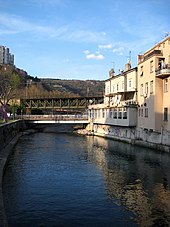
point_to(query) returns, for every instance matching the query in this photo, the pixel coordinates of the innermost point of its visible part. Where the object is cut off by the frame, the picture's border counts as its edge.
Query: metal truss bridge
(61, 104)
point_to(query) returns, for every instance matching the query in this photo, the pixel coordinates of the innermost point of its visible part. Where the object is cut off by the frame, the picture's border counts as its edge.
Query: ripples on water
(69, 180)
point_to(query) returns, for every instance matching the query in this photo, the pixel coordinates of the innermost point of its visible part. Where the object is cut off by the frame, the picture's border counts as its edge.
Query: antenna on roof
(166, 34)
(113, 64)
(129, 57)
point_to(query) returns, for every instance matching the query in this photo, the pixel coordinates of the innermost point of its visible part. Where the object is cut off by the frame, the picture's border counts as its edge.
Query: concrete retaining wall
(138, 136)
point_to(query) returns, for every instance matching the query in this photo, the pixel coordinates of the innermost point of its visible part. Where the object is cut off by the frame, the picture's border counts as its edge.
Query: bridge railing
(54, 117)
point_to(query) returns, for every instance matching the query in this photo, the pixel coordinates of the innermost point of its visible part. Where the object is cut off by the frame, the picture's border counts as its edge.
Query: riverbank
(9, 135)
(4, 156)
(132, 135)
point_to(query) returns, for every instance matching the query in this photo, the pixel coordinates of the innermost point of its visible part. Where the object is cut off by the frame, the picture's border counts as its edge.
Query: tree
(10, 82)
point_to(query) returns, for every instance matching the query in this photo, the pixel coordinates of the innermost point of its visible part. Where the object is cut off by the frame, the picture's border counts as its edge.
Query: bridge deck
(59, 121)
(56, 119)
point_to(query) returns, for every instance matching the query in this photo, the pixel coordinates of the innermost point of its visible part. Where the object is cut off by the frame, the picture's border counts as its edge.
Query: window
(130, 83)
(146, 112)
(165, 114)
(120, 113)
(95, 114)
(99, 113)
(142, 112)
(122, 85)
(141, 69)
(139, 112)
(124, 113)
(141, 89)
(89, 113)
(113, 88)
(92, 113)
(151, 86)
(115, 113)
(117, 87)
(103, 113)
(146, 88)
(112, 101)
(110, 113)
(108, 88)
(151, 66)
(107, 113)
(166, 85)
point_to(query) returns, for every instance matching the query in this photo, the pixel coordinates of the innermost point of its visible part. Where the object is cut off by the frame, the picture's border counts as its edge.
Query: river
(60, 179)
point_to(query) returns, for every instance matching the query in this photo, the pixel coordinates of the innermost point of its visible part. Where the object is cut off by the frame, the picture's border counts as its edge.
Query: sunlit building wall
(154, 87)
(120, 100)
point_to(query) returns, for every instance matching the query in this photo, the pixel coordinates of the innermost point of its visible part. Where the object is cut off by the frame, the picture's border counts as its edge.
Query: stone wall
(9, 135)
(9, 130)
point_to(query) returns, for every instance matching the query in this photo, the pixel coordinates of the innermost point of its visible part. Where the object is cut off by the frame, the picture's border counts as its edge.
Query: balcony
(164, 72)
(153, 53)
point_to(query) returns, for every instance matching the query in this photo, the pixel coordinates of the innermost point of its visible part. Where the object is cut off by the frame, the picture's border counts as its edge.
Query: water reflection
(68, 180)
(135, 177)
(50, 181)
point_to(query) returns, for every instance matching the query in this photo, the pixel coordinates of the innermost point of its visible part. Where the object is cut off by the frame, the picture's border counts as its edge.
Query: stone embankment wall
(133, 135)
(9, 130)
(9, 135)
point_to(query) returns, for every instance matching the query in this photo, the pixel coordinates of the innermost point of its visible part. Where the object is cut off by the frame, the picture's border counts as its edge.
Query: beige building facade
(120, 100)
(136, 107)
(154, 87)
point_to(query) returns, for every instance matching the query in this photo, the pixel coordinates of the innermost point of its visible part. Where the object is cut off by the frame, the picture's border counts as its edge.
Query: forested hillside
(33, 87)
(74, 87)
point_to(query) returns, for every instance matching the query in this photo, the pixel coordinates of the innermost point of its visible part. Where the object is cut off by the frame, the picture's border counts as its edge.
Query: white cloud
(95, 56)
(86, 52)
(118, 50)
(12, 24)
(113, 48)
(105, 46)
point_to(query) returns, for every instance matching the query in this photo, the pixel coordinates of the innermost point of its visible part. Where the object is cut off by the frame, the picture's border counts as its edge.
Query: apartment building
(154, 87)
(120, 99)
(5, 56)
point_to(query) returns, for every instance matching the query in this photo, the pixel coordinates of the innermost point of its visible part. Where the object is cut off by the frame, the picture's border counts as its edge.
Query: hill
(74, 87)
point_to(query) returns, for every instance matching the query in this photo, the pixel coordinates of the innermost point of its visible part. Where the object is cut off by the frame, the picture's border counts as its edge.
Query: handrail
(53, 117)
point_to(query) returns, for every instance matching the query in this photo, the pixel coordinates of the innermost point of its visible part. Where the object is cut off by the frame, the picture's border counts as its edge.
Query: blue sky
(80, 39)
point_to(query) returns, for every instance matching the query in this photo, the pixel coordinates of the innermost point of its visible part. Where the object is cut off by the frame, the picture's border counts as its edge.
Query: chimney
(128, 66)
(140, 58)
(111, 73)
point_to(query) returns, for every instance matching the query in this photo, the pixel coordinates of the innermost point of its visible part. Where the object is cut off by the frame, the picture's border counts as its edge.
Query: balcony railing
(164, 72)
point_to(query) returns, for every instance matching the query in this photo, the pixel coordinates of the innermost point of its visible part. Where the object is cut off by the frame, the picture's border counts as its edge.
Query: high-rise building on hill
(5, 56)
